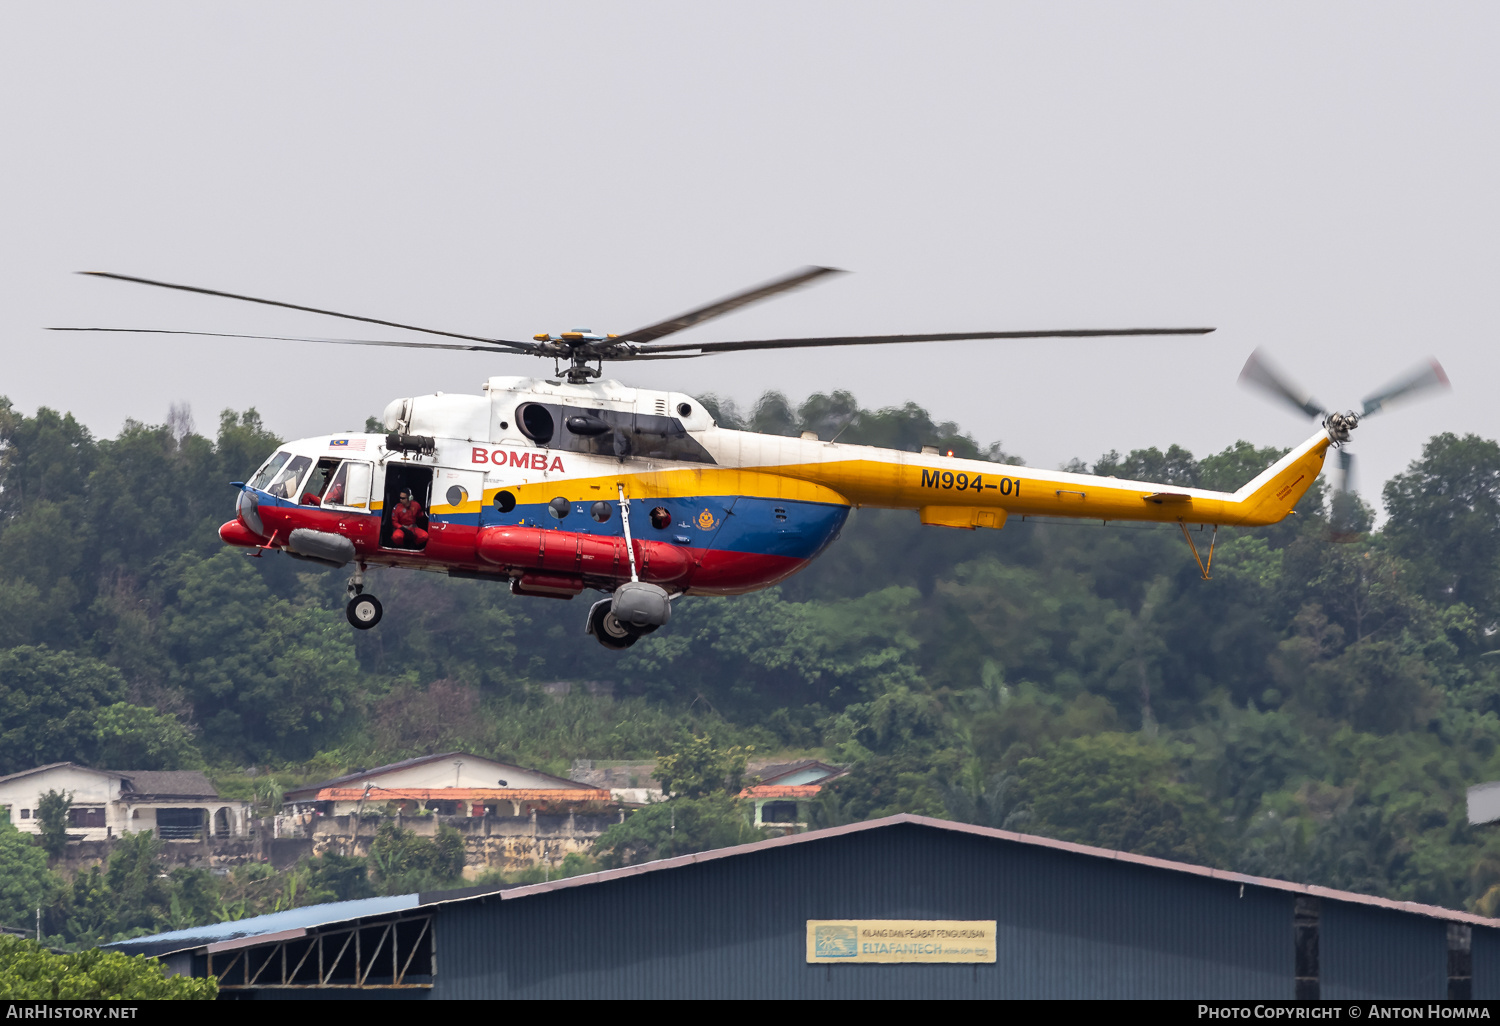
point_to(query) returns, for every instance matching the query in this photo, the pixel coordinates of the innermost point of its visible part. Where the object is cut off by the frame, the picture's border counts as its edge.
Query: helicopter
(557, 485)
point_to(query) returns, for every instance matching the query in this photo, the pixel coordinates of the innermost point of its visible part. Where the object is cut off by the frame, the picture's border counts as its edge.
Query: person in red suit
(404, 530)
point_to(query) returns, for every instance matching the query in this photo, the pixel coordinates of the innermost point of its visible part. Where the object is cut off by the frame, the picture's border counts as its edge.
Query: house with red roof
(784, 790)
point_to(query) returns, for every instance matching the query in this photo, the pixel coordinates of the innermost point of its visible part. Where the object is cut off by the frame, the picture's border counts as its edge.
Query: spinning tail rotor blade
(1263, 374)
(1346, 470)
(1422, 378)
(521, 347)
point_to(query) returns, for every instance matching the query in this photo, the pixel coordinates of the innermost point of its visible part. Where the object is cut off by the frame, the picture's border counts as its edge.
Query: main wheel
(364, 611)
(610, 631)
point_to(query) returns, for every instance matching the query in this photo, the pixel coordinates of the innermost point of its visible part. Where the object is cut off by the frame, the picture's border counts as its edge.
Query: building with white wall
(450, 784)
(176, 805)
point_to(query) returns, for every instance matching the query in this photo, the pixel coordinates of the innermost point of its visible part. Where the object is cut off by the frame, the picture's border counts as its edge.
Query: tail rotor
(1347, 518)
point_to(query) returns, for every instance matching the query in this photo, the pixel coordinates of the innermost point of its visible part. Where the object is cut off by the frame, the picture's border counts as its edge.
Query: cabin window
(284, 486)
(268, 469)
(349, 487)
(322, 475)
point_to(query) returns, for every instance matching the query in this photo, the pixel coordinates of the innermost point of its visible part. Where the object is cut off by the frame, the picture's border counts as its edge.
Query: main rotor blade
(1420, 379)
(524, 347)
(719, 307)
(291, 338)
(1261, 372)
(708, 348)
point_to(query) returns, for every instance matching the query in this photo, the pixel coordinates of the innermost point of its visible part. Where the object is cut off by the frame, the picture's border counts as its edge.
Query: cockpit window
(610, 433)
(284, 486)
(268, 469)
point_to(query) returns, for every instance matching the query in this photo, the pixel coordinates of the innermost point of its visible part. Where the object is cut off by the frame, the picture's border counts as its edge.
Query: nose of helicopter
(247, 507)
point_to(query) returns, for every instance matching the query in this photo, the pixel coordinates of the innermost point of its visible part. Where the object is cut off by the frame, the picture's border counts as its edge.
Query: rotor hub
(1340, 425)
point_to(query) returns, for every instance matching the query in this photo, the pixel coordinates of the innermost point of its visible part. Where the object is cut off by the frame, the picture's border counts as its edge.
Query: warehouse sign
(854, 941)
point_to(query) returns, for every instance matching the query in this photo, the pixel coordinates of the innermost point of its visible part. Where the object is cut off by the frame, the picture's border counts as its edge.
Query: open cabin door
(417, 479)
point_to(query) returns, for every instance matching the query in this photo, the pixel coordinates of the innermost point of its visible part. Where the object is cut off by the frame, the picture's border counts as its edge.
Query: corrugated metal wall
(1485, 951)
(1069, 926)
(1381, 953)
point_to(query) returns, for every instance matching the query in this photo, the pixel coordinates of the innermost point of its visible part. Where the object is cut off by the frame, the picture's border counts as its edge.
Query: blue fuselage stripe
(728, 523)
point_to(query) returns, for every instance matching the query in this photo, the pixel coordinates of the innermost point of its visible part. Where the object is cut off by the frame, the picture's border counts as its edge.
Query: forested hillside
(1314, 712)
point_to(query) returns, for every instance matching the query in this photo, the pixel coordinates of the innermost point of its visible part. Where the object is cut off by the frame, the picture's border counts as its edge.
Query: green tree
(29, 972)
(402, 862)
(130, 896)
(334, 877)
(265, 676)
(141, 893)
(52, 812)
(676, 827)
(696, 768)
(1175, 466)
(1445, 516)
(1117, 791)
(49, 702)
(26, 884)
(133, 737)
(883, 785)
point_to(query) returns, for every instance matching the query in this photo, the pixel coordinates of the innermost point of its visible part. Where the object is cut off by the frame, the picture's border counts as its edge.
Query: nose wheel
(364, 611)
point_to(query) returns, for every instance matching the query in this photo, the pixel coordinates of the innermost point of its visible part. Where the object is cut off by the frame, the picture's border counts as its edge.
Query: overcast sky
(1317, 179)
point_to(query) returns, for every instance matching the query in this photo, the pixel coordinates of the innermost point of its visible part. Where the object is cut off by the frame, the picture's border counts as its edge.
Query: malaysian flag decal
(348, 443)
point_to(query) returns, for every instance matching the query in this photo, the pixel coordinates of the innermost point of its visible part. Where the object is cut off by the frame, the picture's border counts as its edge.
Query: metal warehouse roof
(338, 912)
(259, 928)
(1312, 890)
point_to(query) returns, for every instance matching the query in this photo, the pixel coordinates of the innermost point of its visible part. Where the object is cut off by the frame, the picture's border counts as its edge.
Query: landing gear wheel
(364, 611)
(610, 631)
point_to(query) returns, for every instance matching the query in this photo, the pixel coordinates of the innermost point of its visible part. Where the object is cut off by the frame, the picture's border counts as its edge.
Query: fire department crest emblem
(706, 520)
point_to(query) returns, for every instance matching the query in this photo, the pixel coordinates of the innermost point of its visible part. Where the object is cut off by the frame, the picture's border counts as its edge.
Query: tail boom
(973, 493)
